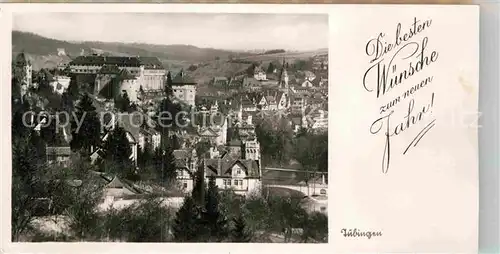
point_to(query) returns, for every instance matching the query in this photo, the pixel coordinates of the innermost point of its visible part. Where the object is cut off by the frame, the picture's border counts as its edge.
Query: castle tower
(23, 62)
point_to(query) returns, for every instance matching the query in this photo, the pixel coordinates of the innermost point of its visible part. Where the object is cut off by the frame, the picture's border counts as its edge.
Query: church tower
(283, 78)
(283, 83)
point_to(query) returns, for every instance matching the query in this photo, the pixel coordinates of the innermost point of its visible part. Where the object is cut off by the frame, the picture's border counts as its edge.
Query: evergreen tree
(199, 189)
(169, 119)
(167, 171)
(67, 102)
(240, 233)
(144, 155)
(214, 221)
(18, 128)
(27, 181)
(124, 103)
(73, 88)
(117, 152)
(270, 68)
(186, 228)
(168, 85)
(89, 133)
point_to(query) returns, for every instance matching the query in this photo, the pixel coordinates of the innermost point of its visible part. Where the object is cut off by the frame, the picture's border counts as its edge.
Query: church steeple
(283, 79)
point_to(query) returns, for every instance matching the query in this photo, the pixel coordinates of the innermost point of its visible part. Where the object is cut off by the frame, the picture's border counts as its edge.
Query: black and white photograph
(169, 127)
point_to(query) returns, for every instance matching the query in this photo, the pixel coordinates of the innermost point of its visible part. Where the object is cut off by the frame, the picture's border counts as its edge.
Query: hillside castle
(133, 75)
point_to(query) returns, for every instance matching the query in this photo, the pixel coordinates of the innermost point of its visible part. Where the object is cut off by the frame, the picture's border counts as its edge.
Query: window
(241, 182)
(236, 182)
(238, 171)
(185, 185)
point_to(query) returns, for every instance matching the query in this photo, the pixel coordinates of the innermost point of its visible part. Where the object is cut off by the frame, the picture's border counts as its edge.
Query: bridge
(307, 190)
(294, 170)
(317, 187)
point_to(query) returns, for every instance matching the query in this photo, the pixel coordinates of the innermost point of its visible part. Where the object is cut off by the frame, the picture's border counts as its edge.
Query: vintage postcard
(169, 127)
(228, 123)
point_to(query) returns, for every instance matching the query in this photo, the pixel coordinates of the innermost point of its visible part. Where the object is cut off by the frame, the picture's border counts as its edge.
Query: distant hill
(186, 53)
(36, 45)
(211, 62)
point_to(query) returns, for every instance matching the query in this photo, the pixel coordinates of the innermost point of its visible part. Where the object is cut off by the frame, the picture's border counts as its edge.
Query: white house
(60, 84)
(309, 75)
(242, 176)
(259, 73)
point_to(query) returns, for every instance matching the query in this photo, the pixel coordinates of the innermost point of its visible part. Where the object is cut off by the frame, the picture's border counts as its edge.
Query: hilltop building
(148, 71)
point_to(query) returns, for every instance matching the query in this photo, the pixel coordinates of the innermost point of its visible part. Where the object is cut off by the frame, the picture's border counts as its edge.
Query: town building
(318, 120)
(259, 73)
(60, 84)
(148, 71)
(320, 62)
(309, 75)
(273, 100)
(58, 155)
(153, 76)
(298, 104)
(212, 128)
(307, 83)
(242, 176)
(186, 162)
(137, 132)
(221, 82)
(184, 88)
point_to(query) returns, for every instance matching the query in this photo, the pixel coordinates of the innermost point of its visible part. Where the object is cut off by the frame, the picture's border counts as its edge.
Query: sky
(222, 31)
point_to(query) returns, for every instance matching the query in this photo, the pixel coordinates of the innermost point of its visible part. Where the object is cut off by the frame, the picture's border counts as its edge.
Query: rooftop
(183, 79)
(109, 60)
(222, 167)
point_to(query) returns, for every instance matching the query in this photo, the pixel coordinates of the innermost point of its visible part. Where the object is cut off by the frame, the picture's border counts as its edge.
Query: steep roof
(109, 69)
(150, 62)
(222, 167)
(110, 60)
(258, 69)
(126, 74)
(22, 59)
(182, 79)
(131, 123)
(181, 157)
(117, 183)
(207, 132)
